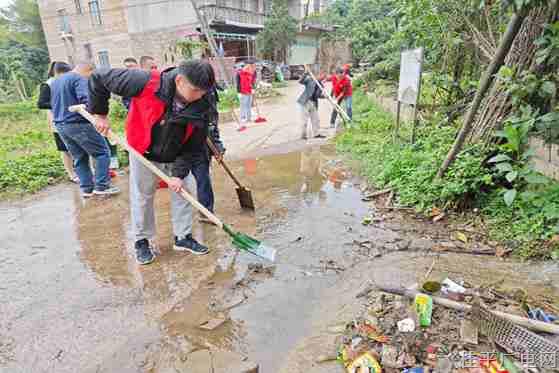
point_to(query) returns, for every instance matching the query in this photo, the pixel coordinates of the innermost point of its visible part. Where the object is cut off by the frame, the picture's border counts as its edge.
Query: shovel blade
(245, 198)
(253, 246)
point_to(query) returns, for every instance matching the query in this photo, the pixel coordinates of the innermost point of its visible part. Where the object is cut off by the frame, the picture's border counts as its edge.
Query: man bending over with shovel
(168, 124)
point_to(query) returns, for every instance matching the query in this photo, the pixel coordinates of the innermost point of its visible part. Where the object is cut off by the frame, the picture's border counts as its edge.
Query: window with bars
(88, 52)
(63, 21)
(95, 12)
(78, 5)
(104, 59)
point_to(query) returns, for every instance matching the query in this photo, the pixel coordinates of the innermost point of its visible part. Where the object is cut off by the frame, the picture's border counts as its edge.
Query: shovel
(244, 194)
(240, 240)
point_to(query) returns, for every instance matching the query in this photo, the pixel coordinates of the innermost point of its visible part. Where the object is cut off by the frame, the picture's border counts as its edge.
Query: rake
(240, 240)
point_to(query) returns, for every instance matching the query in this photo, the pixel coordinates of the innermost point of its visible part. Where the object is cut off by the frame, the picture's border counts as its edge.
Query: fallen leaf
(502, 251)
(461, 237)
(212, 324)
(435, 211)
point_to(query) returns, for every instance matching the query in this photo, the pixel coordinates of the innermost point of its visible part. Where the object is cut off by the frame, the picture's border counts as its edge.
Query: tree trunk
(504, 46)
(498, 105)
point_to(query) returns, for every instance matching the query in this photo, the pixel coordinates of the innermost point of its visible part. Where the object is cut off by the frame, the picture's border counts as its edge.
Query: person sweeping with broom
(246, 79)
(167, 124)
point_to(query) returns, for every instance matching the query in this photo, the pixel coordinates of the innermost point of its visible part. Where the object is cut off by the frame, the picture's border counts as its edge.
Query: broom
(240, 127)
(240, 240)
(259, 118)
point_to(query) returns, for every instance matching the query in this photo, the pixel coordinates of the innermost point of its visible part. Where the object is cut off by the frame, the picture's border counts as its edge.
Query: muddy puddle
(74, 300)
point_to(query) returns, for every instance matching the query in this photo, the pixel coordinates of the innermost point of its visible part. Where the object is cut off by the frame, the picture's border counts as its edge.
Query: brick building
(107, 31)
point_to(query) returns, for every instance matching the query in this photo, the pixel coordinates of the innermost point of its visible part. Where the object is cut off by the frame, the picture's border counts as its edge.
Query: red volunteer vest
(146, 110)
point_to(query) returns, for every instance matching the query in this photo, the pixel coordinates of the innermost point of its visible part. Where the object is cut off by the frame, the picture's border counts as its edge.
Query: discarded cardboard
(212, 323)
(469, 332)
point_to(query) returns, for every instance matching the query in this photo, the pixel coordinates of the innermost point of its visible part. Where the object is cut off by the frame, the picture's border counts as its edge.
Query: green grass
(410, 170)
(29, 160)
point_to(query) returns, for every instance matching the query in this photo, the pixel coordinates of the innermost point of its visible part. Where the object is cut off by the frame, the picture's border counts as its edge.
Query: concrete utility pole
(213, 46)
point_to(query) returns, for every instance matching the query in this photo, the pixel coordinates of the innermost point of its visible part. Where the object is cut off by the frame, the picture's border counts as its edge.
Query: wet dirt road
(75, 301)
(73, 298)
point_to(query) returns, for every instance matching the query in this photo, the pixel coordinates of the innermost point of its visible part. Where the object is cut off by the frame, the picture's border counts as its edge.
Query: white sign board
(410, 76)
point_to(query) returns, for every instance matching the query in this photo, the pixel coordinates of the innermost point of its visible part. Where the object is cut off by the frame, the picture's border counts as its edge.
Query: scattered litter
(468, 332)
(451, 286)
(424, 309)
(367, 220)
(461, 237)
(435, 211)
(439, 217)
(541, 315)
(212, 324)
(336, 329)
(259, 268)
(330, 264)
(390, 357)
(325, 358)
(406, 325)
(371, 332)
(414, 370)
(364, 363)
(431, 287)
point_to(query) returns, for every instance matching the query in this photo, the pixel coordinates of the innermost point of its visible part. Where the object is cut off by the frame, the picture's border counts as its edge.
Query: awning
(235, 27)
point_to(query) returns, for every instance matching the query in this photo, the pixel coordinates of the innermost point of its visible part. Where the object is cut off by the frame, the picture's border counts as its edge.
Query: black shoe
(144, 253)
(190, 244)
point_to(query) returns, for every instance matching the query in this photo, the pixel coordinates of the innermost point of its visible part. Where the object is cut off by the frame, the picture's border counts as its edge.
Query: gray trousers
(309, 113)
(143, 184)
(246, 108)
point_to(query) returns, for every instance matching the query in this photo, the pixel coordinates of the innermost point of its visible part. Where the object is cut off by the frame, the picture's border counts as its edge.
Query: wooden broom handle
(336, 106)
(162, 175)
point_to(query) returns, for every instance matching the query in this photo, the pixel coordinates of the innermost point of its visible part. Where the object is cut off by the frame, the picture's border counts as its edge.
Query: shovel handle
(162, 175)
(334, 103)
(219, 158)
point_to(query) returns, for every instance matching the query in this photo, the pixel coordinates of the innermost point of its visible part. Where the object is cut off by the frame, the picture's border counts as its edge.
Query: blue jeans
(199, 165)
(348, 103)
(201, 172)
(349, 107)
(246, 108)
(83, 141)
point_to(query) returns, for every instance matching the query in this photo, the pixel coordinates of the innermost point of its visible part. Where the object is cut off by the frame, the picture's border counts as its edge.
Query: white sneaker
(106, 192)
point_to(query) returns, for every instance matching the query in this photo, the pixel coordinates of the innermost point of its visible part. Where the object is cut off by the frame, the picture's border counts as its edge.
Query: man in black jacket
(168, 124)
